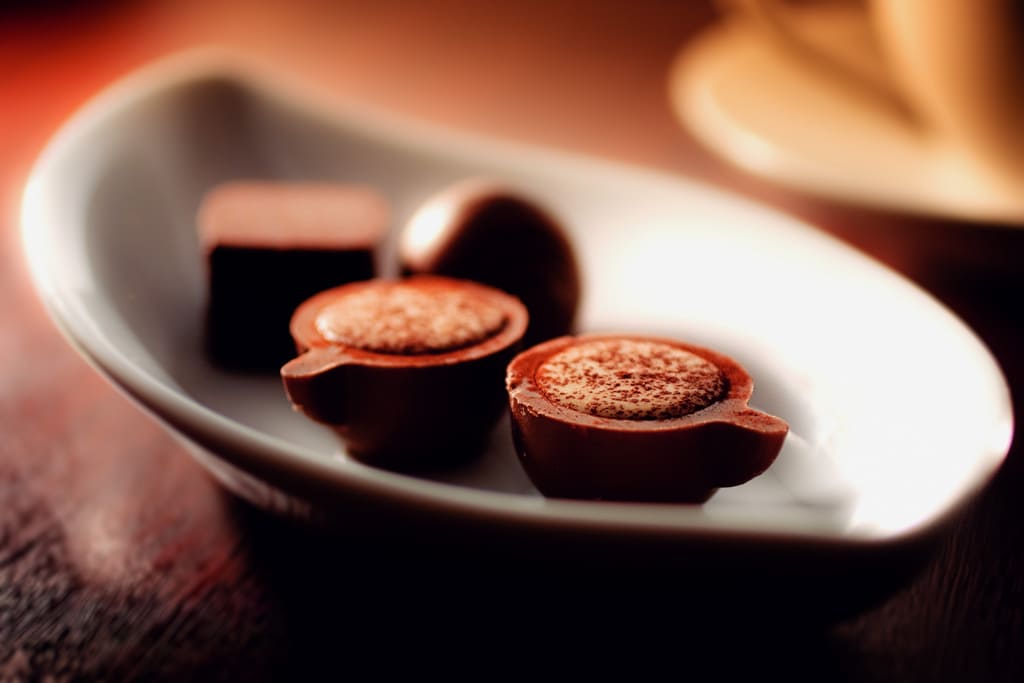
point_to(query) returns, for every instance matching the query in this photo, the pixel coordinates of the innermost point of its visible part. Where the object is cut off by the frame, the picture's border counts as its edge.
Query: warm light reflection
(426, 226)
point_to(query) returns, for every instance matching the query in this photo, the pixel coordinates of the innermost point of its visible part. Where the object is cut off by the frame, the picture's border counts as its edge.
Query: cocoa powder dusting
(401, 318)
(630, 379)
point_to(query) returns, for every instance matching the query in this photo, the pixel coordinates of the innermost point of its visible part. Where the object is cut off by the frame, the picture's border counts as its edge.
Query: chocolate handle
(752, 440)
(315, 383)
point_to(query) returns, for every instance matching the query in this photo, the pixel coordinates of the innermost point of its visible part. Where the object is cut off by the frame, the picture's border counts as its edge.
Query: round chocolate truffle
(408, 372)
(630, 418)
(478, 230)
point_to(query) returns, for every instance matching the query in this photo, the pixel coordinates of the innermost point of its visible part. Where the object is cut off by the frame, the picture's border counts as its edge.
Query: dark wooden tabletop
(121, 559)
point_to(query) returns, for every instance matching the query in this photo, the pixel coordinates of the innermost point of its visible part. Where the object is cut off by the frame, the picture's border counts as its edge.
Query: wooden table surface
(121, 559)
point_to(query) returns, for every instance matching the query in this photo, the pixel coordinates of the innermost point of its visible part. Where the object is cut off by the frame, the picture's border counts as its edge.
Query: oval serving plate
(861, 363)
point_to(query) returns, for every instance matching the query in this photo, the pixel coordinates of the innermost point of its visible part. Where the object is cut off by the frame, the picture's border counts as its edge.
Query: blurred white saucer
(757, 105)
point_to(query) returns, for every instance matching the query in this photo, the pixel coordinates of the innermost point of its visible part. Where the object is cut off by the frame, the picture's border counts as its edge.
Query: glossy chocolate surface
(629, 418)
(408, 372)
(268, 247)
(478, 230)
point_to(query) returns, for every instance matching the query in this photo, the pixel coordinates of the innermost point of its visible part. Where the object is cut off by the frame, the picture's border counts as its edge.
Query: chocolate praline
(479, 230)
(268, 246)
(407, 372)
(627, 418)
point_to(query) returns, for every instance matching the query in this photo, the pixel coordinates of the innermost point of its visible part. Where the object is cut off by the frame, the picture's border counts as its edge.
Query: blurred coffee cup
(956, 66)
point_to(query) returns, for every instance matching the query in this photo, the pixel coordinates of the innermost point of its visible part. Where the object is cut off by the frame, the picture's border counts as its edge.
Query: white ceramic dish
(773, 114)
(899, 415)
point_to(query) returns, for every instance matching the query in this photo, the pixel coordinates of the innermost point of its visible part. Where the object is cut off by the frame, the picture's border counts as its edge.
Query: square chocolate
(269, 246)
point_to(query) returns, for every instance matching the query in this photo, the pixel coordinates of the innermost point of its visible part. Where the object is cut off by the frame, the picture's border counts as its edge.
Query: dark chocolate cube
(269, 247)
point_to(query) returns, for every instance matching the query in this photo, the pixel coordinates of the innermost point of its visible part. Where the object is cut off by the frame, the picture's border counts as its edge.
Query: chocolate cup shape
(404, 411)
(480, 231)
(568, 453)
